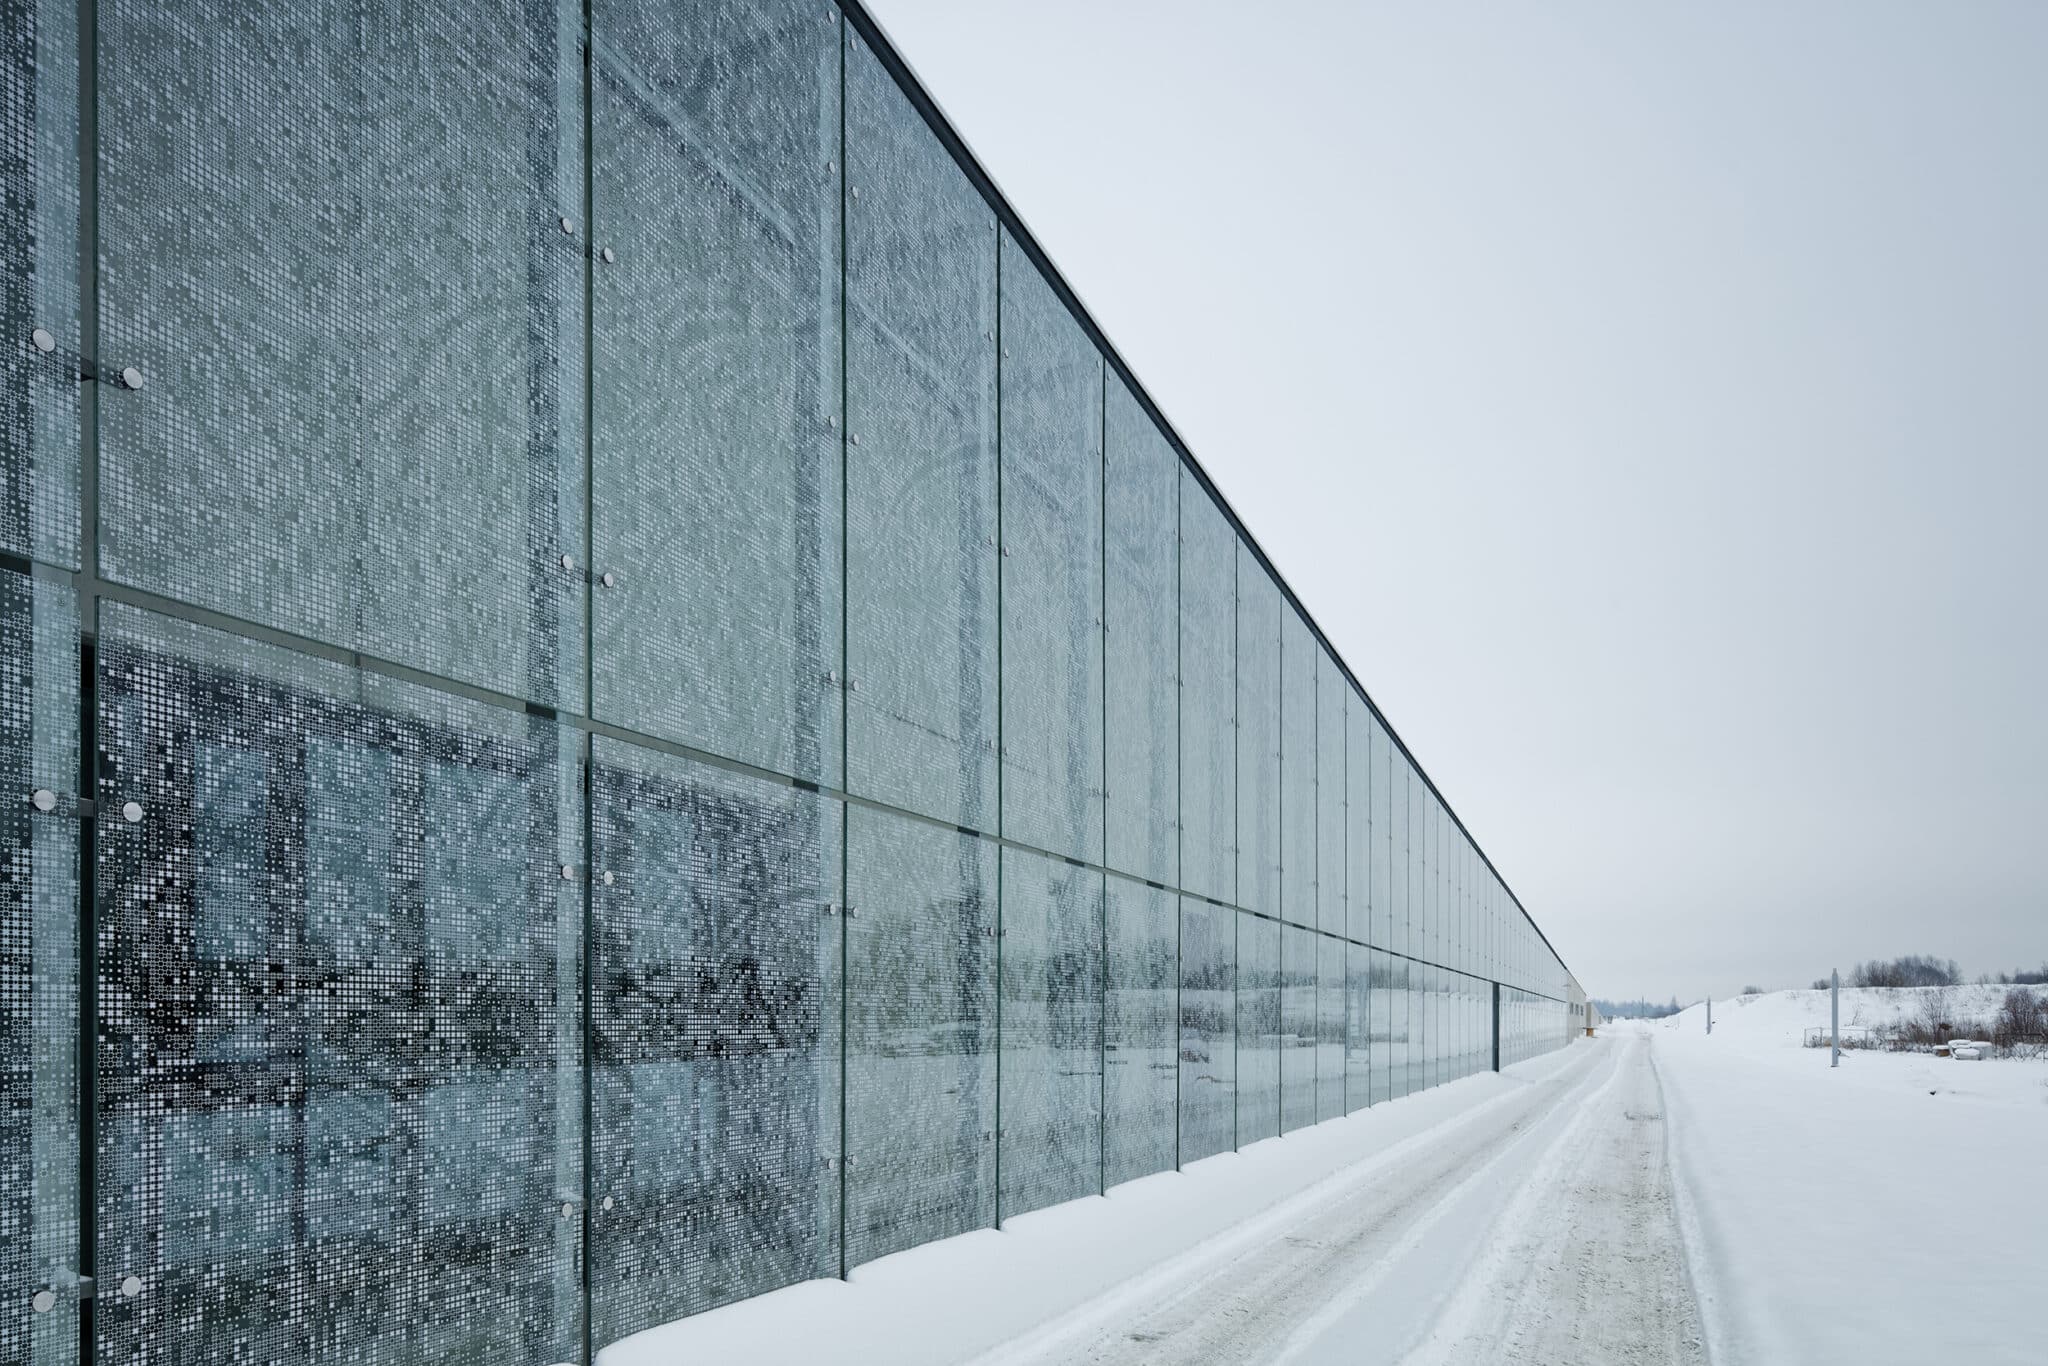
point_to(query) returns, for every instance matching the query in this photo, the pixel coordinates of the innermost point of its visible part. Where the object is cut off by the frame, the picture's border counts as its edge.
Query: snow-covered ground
(1651, 1196)
(1893, 1210)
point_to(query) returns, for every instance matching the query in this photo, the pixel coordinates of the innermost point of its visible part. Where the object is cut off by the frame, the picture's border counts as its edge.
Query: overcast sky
(1650, 401)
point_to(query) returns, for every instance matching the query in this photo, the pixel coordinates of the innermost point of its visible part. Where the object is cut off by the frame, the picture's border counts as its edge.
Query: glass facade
(615, 701)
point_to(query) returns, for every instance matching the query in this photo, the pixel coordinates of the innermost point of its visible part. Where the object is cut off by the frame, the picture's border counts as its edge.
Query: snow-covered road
(1536, 1229)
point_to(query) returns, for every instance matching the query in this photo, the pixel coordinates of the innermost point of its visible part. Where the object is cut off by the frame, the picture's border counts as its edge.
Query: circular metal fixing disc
(568, 872)
(131, 1287)
(131, 812)
(569, 562)
(43, 340)
(44, 799)
(609, 255)
(609, 579)
(569, 226)
(568, 1210)
(607, 879)
(132, 378)
(608, 1202)
(44, 1301)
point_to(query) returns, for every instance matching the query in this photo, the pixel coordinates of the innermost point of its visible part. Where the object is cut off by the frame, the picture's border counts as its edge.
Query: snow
(1890, 1210)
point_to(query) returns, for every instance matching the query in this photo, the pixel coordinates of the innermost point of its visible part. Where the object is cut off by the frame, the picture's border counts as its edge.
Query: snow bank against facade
(1890, 1210)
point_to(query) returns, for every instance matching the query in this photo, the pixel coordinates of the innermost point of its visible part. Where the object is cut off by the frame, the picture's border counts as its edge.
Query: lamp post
(1835, 1017)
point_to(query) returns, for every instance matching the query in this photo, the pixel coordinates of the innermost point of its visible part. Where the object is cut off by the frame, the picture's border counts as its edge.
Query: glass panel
(1360, 910)
(1433, 1038)
(1298, 816)
(354, 1136)
(1380, 1025)
(1418, 834)
(716, 442)
(1360, 1040)
(1139, 1083)
(336, 259)
(1332, 890)
(1432, 881)
(1051, 1075)
(1258, 1027)
(1331, 1035)
(1208, 697)
(1297, 1027)
(1401, 873)
(1258, 737)
(921, 463)
(1142, 499)
(1380, 795)
(39, 292)
(1403, 1031)
(1051, 569)
(39, 968)
(715, 1039)
(1208, 1029)
(921, 1034)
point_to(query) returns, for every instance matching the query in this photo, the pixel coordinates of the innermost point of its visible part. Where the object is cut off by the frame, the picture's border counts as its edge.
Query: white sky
(1649, 400)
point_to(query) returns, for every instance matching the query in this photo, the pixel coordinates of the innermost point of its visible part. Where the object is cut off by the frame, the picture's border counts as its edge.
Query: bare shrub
(2021, 1025)
(1935, 1022)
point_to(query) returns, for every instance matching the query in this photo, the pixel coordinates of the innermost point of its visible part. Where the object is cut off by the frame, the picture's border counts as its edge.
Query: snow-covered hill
(1785, 1016)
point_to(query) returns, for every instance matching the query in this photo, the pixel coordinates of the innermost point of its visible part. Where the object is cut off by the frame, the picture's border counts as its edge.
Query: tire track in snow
(1586, 1265)
(1246, 1296)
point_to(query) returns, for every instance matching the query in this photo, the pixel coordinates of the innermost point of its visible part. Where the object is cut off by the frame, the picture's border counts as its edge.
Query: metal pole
(1835, 1018)
(1710, 1012)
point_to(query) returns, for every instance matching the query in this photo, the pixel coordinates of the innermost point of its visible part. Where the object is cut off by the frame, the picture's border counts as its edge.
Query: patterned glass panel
(1208, 696)
(1142, 497)
(38, 970)
(1298, 1022)
(1430, 903)
(921, 463)
(1331, 1050)
(716, 440)
(1139, 1082)
(338, 1012)
(1400, 1028)
(1361, 912)
(1384, 848)
(1051, 569)
(39, 289)
(1332, 884)
(1358, 1041)
(1258, 736)
(1431, 1001)
(1051, 1076)
(1380, 1026)
(1208, 1029)
(334, 254)
(715, 1034)
(1258, 1027)
(1299, 892)
(1401, 875)
(921, 1034)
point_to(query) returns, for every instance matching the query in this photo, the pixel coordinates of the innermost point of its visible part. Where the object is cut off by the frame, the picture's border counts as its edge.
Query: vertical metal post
(1710, 1012)
(1835, 1018)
